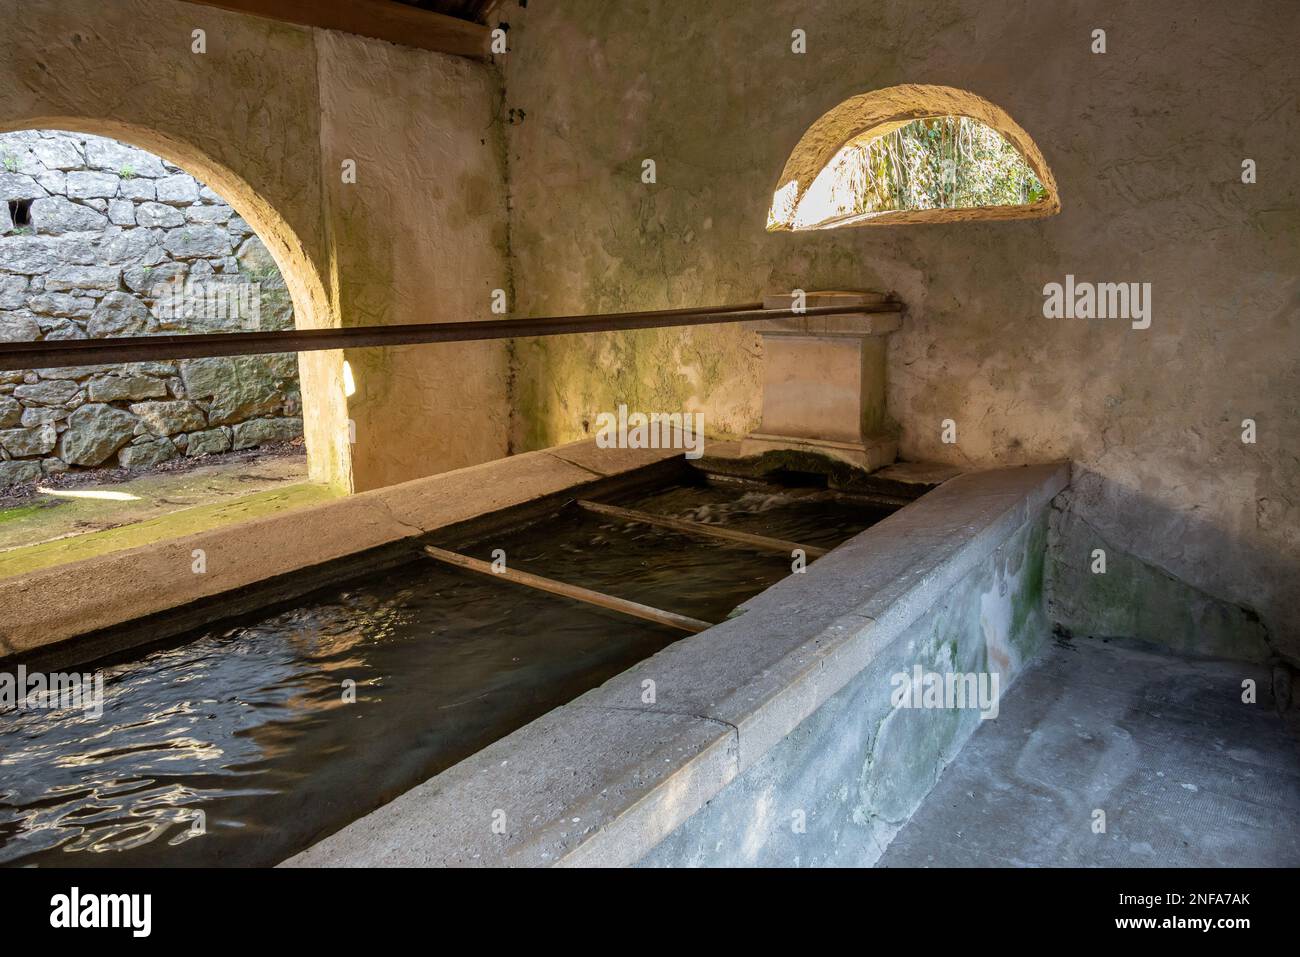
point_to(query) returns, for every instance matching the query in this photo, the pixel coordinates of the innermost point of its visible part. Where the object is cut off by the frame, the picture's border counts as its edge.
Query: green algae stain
(1027, 600)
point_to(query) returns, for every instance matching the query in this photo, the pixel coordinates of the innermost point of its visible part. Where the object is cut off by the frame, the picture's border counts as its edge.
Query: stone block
(90, 278)
(112, 388)
(88, 185)
(55, 216)
(147, 454)
(159, 215)
(121, 314)
(11, 412)
(198, 242)
(19, 186)
(106, 154)
(255, 432)
(19, 473)
(208, 442)
(26, 443)
(18, 326)
(95, 431)
(180, 189)
(168, 418)
(52, 392)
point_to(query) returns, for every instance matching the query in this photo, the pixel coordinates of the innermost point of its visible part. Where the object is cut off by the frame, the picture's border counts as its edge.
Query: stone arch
(320, 373)
(882, 111)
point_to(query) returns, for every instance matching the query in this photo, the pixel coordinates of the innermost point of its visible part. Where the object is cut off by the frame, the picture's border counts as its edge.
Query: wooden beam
(600, 599)
(701, 530)
(54, 353)
(379, 19)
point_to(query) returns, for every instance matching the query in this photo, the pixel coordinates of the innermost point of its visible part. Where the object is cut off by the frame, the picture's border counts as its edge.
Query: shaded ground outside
(60, 520)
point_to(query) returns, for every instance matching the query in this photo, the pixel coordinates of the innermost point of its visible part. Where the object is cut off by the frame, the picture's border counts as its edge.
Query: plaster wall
(265, 117)
(1146, 142)
(420, 237)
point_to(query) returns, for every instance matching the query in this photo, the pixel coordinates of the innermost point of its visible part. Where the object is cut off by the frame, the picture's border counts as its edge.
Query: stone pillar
(824, 381)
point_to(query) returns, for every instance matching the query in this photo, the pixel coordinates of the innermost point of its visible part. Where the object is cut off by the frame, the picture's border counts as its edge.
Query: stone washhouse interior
(488, 433)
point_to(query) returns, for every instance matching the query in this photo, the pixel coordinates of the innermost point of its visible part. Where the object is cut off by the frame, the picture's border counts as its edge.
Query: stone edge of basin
(601, 780)
(50, 605)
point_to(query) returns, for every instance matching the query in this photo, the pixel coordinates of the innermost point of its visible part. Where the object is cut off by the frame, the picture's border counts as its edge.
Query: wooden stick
(635, 609)
(701, 530)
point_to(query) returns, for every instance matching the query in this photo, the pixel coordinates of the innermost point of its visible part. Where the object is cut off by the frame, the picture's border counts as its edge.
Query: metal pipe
(111, 351)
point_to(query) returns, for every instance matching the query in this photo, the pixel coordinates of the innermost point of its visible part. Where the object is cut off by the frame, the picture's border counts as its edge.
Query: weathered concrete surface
(1133, 599)
(837, 788)
(54, 604)
(266, 117)
(1187, 774)
(631, 772)
(1146, 150)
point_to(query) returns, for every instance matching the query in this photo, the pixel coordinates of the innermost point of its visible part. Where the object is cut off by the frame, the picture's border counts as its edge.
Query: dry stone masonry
(97, 239)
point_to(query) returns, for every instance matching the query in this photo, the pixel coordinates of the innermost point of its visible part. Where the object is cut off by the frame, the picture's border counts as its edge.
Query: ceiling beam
(379, 19)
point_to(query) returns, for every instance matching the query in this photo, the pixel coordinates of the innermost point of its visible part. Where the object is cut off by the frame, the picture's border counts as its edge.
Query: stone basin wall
(112, 241)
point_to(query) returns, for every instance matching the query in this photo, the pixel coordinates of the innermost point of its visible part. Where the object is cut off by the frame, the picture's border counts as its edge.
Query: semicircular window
(900, 160)
(940, 163)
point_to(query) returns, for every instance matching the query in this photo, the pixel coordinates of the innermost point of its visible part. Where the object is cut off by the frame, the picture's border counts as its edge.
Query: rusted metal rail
(88, 352)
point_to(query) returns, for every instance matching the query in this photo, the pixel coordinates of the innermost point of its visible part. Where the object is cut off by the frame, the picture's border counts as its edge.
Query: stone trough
(771, 737)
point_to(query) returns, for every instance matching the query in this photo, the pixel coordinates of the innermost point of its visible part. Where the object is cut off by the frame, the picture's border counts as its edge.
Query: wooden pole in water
(600, 599)
(700, 530)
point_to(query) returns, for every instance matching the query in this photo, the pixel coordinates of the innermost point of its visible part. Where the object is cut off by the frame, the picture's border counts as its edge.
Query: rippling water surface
(240, 744)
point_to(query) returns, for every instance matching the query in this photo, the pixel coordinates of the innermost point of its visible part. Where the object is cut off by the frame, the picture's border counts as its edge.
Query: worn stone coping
(603, 779)
(50, 605)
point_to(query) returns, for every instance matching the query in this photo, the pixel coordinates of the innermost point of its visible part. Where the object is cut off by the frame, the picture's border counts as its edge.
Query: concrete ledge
(604, 779)
(52, 605)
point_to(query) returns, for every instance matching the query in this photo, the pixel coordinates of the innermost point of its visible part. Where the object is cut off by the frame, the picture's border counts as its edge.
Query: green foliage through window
(943, 162)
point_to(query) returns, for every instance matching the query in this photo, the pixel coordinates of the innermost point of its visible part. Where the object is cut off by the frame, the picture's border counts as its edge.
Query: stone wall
(98, 238)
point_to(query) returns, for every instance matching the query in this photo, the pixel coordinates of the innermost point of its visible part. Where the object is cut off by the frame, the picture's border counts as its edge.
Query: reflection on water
(242, 745)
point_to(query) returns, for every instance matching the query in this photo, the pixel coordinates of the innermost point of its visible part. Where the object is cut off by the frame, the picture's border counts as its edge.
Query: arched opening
(912, 154)
(326, 416)
(110, 231)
